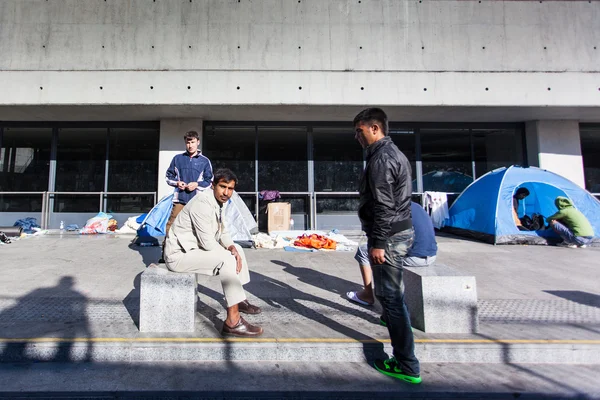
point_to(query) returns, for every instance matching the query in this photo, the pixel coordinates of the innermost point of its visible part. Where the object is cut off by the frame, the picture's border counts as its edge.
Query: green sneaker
(390, 367)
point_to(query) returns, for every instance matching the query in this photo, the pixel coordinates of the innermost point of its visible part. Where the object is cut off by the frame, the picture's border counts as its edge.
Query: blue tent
(484, 208)
(155, 222)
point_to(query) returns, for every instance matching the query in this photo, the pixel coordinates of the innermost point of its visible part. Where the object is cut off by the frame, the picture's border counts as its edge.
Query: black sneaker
(391, 368)
(161, 260)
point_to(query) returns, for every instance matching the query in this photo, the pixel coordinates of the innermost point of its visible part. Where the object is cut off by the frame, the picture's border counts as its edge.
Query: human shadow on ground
(278, 294)
(321, 280)
(577, 296)
(132, 300)
(207, 311)
(57, 309)
(150, 254)
(371, 348)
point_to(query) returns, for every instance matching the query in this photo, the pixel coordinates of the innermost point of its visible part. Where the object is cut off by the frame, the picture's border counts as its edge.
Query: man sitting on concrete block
(198, 242)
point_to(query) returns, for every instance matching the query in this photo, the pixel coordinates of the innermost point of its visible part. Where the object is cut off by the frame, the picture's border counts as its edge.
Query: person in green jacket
(570, 224)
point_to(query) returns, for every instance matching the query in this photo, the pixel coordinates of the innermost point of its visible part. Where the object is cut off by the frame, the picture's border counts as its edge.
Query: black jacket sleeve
(382, 179)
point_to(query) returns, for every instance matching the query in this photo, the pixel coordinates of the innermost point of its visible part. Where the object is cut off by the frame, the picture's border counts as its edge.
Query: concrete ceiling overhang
(292, 113)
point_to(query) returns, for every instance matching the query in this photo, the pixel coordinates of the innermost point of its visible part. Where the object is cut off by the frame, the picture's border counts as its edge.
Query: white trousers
(219, 263)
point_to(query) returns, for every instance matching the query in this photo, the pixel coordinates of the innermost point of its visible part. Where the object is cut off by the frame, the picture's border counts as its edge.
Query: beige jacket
(198, 226)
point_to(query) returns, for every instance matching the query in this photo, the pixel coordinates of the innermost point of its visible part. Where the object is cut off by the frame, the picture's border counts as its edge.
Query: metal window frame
(414, 126)
(48, 196)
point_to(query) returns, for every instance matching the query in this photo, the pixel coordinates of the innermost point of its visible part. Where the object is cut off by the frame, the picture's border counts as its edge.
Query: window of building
(590, 152)
(282, 159)
(404, 139)
(447, 161)
(24, 167)
(83, 160)
(338, 164)
(326, 161)
(132, 167)
(338, 160)
(80, 167)
(495, 148)
(283, 166)
(233, 148)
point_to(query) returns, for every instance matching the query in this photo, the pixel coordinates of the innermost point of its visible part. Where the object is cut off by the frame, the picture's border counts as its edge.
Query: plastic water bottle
(291, 224)
(62, 226)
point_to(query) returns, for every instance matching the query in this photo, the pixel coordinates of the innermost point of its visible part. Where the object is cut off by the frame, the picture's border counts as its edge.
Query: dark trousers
(389, 290)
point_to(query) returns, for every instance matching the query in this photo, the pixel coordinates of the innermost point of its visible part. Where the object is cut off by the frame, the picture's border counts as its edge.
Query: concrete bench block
(167, 301)
(441, 299)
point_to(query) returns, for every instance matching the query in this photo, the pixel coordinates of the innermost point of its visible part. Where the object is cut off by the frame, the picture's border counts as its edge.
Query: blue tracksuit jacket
(196, 168)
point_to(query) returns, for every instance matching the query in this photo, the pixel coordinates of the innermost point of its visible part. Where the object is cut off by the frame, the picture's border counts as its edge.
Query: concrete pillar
(172, 143)
(555, 146)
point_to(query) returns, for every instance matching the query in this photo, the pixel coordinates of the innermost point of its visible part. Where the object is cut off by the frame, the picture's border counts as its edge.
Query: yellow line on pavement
(286, 340)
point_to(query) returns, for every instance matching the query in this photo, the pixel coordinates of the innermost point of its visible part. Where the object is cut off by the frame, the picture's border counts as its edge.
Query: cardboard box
(278, 215)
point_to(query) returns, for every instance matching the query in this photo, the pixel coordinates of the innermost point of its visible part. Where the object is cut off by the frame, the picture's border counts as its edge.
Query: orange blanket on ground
(315, 241)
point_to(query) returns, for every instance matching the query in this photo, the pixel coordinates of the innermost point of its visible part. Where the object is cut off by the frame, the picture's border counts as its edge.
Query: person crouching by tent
(570, 224)
(520, 194)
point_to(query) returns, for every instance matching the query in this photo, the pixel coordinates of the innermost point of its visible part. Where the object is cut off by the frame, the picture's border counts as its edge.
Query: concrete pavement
(75, 298)
(292, 380)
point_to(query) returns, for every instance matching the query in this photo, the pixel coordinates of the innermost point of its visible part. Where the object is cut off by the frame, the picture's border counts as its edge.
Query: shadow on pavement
(319, 279)
(132, 300)
(62, 304)
(150, 254)
(577, 296)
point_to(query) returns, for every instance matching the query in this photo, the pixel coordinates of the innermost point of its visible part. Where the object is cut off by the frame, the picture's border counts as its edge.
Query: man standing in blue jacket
(189, 173)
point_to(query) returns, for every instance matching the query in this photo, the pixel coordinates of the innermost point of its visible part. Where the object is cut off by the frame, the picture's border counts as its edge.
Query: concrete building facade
(96, 95)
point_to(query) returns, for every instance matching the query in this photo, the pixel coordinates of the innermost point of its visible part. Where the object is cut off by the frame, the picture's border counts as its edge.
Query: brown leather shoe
(248, 308)
(243, 328)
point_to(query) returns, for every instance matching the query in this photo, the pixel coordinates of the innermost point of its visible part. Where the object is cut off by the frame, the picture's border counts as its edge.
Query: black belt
(401, 226)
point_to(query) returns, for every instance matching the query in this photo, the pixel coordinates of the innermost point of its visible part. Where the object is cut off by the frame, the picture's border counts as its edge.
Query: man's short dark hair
(191, 135)
(371, 116)
(226, 175)
(522, 191)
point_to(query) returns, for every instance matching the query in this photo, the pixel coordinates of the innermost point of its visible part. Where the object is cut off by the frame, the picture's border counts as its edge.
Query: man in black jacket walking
(385, 216)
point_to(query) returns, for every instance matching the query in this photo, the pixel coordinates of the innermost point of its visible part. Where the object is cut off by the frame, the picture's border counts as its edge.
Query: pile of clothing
(264, 241)
(22, 228)
(305, 241)
(28, 225)
(315, 241)
(132, 225)
(101, 223)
